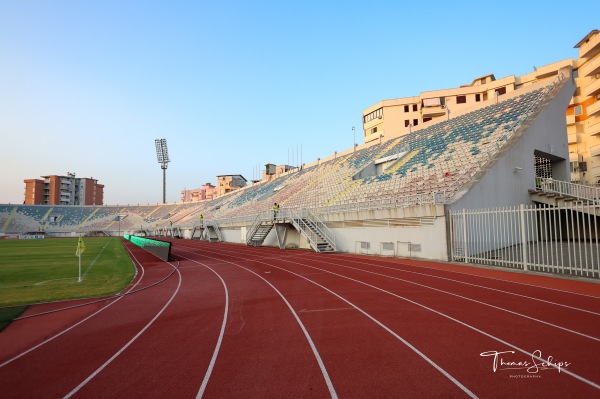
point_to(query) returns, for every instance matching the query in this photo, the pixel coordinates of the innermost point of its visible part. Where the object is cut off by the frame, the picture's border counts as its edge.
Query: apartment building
(63, 190)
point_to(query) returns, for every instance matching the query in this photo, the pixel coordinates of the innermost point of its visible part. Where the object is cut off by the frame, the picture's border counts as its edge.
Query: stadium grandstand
(413, 195)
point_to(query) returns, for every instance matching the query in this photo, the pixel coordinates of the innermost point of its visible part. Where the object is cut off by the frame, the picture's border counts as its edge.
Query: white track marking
(474, 285)
(78, 323)
(113, 357)
(562, 370)
(469, 299)
(496, 279)
(213, 359)
(306, 334)
(386, 328)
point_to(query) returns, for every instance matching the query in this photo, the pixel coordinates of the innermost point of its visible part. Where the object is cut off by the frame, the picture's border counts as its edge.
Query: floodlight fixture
(162, 155)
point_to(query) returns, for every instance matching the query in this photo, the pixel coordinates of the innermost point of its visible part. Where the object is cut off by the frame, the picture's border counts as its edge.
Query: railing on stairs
(327, 233)
(319, 237)
(579, 191)
(255, 226)
(215, 226)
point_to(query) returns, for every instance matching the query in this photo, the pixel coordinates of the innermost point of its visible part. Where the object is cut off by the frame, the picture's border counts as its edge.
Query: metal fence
(562, 239)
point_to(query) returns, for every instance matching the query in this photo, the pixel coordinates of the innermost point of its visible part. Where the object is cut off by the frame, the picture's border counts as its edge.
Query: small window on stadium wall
(501, 90)
(415, 108)
(406, 109)
(477, 97)
(415, 122)
(406, 122)
(461, 99)
(543, 167)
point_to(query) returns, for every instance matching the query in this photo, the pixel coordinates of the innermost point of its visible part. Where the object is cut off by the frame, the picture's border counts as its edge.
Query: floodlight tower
(162, 154)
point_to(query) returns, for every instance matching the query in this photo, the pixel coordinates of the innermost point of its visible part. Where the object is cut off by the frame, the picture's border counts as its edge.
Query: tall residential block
(63, 190)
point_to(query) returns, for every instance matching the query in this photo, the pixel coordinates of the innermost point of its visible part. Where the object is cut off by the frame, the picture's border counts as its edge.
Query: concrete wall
(431, 238)
(502, 185)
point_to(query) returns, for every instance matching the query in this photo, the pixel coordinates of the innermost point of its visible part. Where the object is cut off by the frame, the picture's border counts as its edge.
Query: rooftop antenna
(162, 154)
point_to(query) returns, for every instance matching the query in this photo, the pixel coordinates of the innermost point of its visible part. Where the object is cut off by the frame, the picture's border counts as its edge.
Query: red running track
(230, 321)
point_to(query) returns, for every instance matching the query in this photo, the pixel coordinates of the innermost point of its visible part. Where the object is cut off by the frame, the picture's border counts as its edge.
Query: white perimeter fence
(542, 238)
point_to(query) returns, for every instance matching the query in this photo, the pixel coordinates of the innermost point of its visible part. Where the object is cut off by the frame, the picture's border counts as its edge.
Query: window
(415, 108)
(461, 99)
(406, 123)
(574, 166)
(477, 97)
(575, 73)
(501, 90)
(415, 122)
(578, 110)
(374, 130)
(378, 113)
(406, 108)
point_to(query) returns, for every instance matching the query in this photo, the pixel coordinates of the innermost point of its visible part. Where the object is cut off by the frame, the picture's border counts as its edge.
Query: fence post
(464, 215)
(523, 236)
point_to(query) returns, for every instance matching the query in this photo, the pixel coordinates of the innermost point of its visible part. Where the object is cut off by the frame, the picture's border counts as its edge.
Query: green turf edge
(8, 314)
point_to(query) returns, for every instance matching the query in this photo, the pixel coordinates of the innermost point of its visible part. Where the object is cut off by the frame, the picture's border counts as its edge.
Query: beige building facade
(207, 192)
(228, 183)
(396, 117)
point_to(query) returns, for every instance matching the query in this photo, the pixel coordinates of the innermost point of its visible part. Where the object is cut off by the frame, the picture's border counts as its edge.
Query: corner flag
(80, 247)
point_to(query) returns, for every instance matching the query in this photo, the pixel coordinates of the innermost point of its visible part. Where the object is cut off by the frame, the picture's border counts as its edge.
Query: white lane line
(386, 328)
(472, 285)
(332, 391)
(563, 370)
(113, 357)
(490, 278)
(213, 359)
(81, 321)
(463, 297)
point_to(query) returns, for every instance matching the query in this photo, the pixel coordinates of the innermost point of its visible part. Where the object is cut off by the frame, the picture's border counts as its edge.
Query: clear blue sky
(87, 86)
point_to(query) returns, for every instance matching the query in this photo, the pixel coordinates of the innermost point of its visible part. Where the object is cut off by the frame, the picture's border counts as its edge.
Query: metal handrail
(581, 191)
(298, 220)
(327, 233)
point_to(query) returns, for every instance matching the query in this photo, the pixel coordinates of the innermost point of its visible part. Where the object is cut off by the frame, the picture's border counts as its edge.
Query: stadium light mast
(162, 154)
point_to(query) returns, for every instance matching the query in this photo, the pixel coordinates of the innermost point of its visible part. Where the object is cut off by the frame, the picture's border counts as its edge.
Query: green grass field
(33, 271)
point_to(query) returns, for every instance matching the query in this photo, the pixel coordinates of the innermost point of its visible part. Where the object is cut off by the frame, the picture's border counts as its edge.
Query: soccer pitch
(43, 270)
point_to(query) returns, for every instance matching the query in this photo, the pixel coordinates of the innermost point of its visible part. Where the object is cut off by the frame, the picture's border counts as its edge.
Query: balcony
(595, 150)
(590, 68)
(430, 112)
(572, 138)
(570, 120)
(593, 109)
(596, 171)
(592, 127)
(591, 47)
(592, 89)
